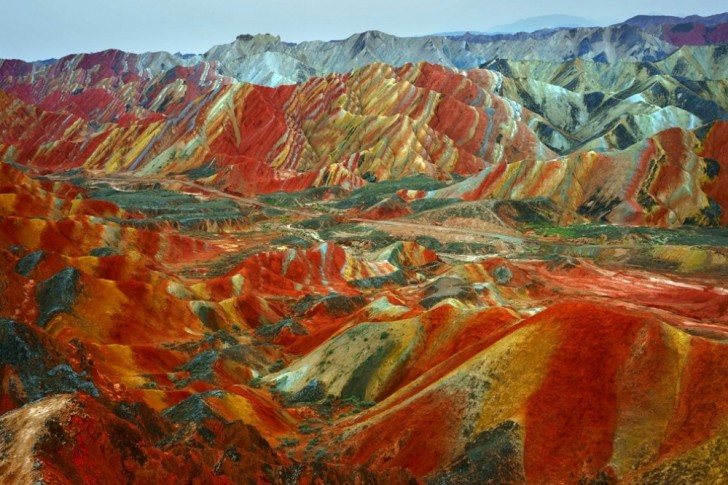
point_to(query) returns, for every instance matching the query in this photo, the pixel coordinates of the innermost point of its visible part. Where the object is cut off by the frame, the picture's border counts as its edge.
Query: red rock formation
(668, 180)
(326, 131)
(574, 371)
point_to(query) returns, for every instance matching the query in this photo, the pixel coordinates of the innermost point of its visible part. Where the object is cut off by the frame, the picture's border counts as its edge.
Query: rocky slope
(325, 131)
(679, 31)
(136, 354)
(331, 131)
(612, 106)
(408, 273)
(603, 44)
(666, 180)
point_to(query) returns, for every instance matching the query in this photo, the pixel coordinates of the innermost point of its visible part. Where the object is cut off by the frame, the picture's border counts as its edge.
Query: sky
(43, 29)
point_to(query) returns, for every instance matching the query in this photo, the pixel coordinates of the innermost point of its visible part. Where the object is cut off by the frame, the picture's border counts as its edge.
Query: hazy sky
(40, 29)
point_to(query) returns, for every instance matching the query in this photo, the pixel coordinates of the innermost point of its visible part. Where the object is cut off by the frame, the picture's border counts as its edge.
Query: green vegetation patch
(304, 197)
(57, 294)
(373, 193)
(348, 234)
(422, 205)
(201, 172)
(685, 236)
(292, 241)
(227, 262)
(317, 223)
(467, 248)
(160, 205)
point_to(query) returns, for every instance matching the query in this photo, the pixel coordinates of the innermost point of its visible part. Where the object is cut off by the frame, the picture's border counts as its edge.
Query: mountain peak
(258, 38)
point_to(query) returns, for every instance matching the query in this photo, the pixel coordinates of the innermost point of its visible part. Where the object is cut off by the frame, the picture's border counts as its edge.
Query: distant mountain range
(532, 24)
(267, 60)
(558, 21)
(645, 21)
